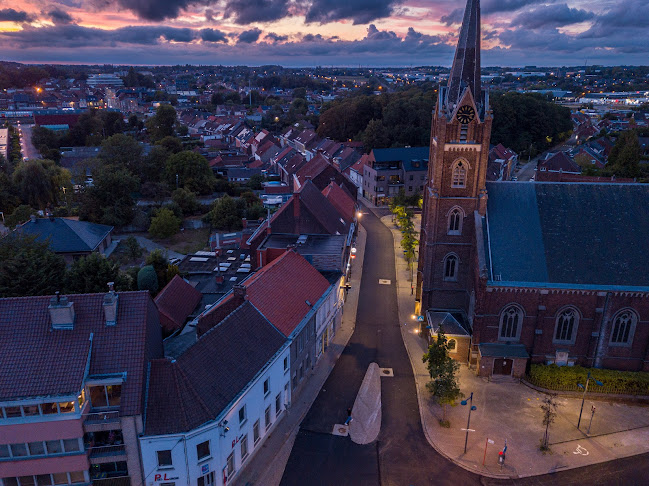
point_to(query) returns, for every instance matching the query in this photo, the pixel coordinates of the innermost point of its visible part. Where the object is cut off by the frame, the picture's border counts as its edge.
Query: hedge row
(566, 378)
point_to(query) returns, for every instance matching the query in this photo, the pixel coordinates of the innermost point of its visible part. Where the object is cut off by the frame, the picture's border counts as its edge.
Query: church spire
(466, 65)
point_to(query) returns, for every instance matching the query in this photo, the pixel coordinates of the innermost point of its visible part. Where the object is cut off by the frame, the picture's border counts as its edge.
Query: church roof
(571, 235)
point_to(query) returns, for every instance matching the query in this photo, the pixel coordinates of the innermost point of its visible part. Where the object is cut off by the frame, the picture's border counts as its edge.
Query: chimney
(110, 305)
(61, 312)
(244, 223)
(33, 219)
(239, 291)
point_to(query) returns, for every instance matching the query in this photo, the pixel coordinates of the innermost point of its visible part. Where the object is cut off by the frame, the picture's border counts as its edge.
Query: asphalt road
(26, 145)
(401, 456)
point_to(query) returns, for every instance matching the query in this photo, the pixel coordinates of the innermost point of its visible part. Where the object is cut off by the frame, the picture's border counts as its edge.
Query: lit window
(623, 327)
(452, 344)
(566, 326)
(511, 321)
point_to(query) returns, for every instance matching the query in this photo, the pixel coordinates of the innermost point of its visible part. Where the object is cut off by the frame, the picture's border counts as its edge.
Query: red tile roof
(38, 361)
(341, 200)
(176, 302)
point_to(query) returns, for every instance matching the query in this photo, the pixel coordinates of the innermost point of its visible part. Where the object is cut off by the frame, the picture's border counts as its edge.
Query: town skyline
(293, 34)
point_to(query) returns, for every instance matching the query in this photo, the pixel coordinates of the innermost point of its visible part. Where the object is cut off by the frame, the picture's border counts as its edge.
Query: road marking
(470, 430)
(383, 281)
(580, 450)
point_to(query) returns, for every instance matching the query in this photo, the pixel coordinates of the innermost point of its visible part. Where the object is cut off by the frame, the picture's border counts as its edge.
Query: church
(528, 272)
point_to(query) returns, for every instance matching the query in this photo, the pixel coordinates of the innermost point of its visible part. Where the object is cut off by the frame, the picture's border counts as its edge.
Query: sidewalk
(267, 463)
(511, 412)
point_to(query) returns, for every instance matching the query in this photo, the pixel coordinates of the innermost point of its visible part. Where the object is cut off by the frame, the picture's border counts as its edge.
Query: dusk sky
(320, 32)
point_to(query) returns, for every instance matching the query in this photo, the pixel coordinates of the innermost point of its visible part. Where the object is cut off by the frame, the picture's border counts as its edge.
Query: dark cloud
(273, 37)
(209, 15)
(249, 36)
(212, 35)
(157, 9)
(493, 6)
(244, 12)
(142, 34)
(551, 16)
(455, 17)
(359, 11)
(625, 16)
(11, 15)
(58, 16)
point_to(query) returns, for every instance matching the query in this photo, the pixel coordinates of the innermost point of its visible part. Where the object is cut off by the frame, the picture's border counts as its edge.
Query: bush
(164, 224)
(565, 378)
(147, 279)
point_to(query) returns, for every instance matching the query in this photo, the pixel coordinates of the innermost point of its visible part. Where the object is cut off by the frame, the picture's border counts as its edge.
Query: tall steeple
(466, 65)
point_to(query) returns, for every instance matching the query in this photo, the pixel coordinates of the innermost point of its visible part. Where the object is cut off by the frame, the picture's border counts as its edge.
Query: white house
(210, 409)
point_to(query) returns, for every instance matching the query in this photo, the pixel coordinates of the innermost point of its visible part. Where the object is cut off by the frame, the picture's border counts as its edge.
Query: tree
(375, 136)
(110, 200)
(299, 93)
(92, 273)
(256, 182)
(121, 151)
(192, 170)
(39, 182)
(160, 263)
(186, 200)
(19, 216)
(624, 159)
(29, 267)
(225, 215)
(173, 145)
(164, 224)
(442, 369)
(133, 248)
(549, 407)
(162, 124)
(147, 279)
(153, 165)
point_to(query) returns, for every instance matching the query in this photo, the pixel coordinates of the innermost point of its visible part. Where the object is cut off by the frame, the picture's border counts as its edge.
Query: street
(26, 145)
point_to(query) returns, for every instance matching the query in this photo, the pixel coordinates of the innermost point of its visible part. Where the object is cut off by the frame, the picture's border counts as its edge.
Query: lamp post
(583, 397)
(468, 422)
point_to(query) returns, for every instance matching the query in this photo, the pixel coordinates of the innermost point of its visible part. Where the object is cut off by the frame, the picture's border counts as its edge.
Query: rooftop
(67, 235)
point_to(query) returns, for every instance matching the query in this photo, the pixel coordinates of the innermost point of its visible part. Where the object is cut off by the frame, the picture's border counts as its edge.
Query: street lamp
(583, 397)
(468, 422)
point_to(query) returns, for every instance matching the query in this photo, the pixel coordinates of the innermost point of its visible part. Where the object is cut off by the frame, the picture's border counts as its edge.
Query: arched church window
(511, 321)
(455, 218)
(566, 326)
(623, 328)
(459, 174)
(450, 267)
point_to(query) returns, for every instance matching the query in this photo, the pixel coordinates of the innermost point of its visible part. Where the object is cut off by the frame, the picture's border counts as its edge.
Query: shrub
(164, 224)
(566, 378)
(147, 279)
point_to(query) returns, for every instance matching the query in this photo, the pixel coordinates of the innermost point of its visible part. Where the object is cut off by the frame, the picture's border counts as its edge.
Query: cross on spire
(466, 64)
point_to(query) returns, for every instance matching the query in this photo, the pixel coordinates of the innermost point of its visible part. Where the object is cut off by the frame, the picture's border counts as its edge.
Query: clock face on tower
(465, 114)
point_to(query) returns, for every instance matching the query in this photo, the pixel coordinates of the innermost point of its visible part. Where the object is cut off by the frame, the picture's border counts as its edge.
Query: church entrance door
(503, 366)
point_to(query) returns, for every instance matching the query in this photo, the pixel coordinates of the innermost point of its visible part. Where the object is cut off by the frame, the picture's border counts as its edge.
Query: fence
(605, 388)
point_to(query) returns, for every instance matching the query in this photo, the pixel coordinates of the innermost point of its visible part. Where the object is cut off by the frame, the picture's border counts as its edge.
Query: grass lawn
(185, 242)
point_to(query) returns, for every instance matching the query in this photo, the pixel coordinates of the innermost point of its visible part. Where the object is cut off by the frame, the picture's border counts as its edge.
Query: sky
(295, 33)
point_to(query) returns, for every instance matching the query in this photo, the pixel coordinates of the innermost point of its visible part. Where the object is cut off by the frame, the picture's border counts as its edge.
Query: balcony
(105, 446)
(117, 481)
(105, 450)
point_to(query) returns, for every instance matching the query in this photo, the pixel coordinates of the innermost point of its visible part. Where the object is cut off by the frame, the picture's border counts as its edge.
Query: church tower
(455, 190)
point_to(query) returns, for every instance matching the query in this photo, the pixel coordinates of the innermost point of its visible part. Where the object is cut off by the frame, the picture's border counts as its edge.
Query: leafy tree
(299, 106)
(39, 182)
(375, 136)
(92, 273)
(173, 145)
(549, 407)
(147, 279)
(250, 198)
(160, 263)
(186, 200)
(255, 212)
(29, 267)
(193, 172)
(256, 182)
(442, 369)
(225, 215)
(162, 124)
(624, 159)
(20, 215)
(133, 248)
(299, 93)
(122, 151)
(110, 200)
(153, 165)
(164, 224)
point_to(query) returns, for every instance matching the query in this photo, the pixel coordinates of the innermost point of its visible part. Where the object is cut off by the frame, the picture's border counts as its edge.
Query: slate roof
(37, 361)
(504, 350)
(449, 324)
(572, 234)
(202, 382)
(400, 154)
(176, 302)
(67, 235)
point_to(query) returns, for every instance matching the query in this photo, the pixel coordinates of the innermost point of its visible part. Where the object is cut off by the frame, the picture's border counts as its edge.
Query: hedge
(566, 378)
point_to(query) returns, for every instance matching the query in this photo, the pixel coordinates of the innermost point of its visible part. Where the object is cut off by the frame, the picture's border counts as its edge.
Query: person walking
(349, 416)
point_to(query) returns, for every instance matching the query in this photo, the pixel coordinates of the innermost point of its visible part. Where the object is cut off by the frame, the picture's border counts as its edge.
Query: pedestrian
(349, 416)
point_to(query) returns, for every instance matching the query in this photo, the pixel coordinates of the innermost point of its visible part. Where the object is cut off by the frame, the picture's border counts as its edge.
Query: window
(203, 450)
(230, 464)
(77, 477)
(44, 480)
(60, 478)
(450, 267)
(286, 364)
(278, 404)
(49, 408)
(242, 415)
(104, 396)
(267, 417)
(244, 447)
(27, 481)
(53, 446)
(459, 174)
(71, 445)
(511, 321)
(266, 386)
(411, 177)
(164, 458)
(36, 449)
(255, 432)
(18, 450)
(623, 327)
(452, 345)
(4, 450)
(66, 407)
(30, 410)
(11, 412)
(566, 326)
(294, 379)
(206, 480)
(455, 219)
